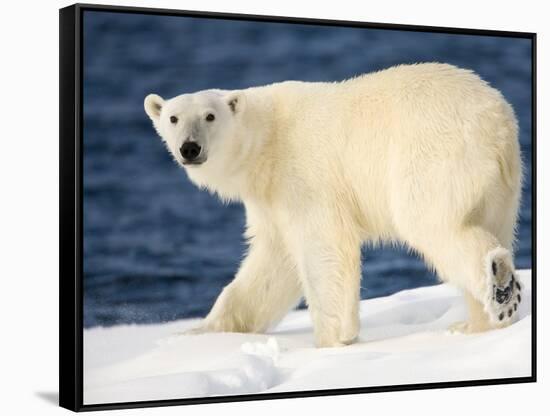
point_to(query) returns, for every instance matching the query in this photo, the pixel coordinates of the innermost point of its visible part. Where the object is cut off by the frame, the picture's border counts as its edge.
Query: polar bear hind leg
(499, 308)
(501, 296)
(460, 213)
(471, 248)
(473, 259)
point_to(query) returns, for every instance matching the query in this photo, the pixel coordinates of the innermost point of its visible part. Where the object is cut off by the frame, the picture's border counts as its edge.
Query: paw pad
(503, 295)
(503, 288)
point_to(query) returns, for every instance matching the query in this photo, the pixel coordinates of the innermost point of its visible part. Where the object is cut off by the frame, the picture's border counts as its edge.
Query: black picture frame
(71, 204)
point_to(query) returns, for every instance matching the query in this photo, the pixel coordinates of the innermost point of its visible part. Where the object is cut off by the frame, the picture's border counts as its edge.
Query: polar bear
(426, 155)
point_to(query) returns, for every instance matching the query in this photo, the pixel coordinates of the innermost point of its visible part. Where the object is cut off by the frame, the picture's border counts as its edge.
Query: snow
(403, 340)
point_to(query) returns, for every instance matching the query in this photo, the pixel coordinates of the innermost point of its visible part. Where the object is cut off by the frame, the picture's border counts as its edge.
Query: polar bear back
(411, 138)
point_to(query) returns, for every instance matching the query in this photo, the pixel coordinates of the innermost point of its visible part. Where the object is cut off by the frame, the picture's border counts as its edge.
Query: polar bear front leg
(264, 289)
(330, 274)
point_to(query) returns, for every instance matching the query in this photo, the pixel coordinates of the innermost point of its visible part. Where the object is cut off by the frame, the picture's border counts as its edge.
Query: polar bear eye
(173, 119)
(210, 117)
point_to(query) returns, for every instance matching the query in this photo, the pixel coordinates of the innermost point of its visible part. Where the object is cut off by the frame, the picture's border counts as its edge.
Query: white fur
(426, 155)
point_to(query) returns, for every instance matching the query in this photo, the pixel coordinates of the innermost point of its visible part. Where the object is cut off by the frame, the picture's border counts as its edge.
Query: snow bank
(403, 340)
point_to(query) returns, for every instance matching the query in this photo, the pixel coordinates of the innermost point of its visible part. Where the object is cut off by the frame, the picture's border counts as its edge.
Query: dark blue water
(155, 247)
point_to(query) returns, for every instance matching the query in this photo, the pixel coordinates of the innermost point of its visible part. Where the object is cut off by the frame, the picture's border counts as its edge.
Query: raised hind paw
(503, 289)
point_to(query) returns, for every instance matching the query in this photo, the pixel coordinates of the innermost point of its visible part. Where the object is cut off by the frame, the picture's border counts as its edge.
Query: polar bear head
(197, 128)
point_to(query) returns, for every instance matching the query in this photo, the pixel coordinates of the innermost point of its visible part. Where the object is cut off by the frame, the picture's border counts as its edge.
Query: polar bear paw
(503, 288)
(467, 327)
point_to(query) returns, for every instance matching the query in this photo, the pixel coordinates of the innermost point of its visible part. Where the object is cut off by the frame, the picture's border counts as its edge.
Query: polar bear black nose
(190, 151)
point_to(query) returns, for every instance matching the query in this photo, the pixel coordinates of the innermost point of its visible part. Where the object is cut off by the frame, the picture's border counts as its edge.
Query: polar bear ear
(236, 101)
(153, 105)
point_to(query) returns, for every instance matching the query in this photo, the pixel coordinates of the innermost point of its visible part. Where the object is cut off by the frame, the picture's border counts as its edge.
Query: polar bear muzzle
(190, 151)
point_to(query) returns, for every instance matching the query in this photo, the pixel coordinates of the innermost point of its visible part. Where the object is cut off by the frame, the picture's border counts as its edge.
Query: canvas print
(280, 207)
